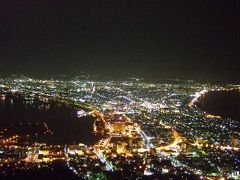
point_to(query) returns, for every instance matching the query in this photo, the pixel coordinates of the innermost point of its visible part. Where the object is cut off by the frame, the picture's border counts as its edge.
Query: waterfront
(155, 128)
(48, 122)
(223, 103)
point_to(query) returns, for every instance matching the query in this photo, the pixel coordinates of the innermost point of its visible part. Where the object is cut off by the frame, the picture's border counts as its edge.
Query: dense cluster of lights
(155, 128)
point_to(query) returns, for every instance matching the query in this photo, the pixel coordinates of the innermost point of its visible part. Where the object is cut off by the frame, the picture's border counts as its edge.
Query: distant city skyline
(118, 129)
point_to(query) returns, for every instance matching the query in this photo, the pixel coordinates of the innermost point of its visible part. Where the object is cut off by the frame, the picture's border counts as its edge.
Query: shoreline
(196, 102)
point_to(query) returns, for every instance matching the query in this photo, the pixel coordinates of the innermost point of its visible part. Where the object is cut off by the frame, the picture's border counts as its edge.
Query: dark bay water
(223, 103)
(33, 119)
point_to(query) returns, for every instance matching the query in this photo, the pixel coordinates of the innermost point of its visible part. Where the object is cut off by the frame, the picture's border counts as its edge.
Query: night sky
(154, 39)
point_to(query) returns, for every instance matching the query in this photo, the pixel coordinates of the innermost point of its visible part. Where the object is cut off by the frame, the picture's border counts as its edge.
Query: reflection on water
(51, 122)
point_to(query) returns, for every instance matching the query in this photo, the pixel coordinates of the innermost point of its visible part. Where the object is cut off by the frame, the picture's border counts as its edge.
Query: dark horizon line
(120, 78)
